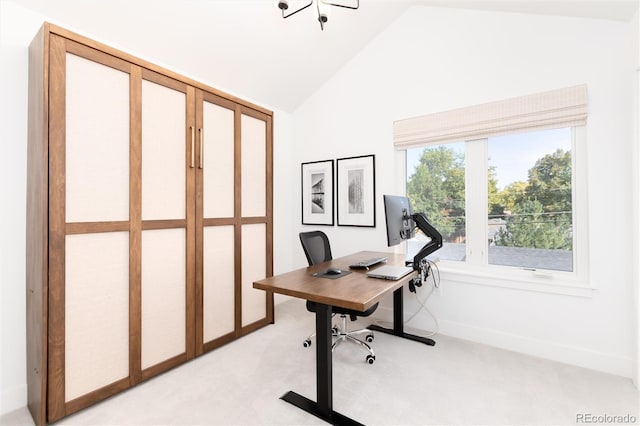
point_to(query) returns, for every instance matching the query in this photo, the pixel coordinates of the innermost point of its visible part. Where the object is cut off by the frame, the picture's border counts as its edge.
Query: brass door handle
(193, 146)
(201, 148)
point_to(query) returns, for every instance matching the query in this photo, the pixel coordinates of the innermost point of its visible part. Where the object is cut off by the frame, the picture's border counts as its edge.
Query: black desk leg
(324, 375)
(324, 371)
(398, 323)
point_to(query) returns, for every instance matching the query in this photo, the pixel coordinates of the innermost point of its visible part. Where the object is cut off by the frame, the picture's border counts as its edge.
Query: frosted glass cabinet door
(254, 267)
(254, 172)
(96, 311)
(163, 295)
(218, 161)
(97, 142)
(218, 282)
(163, 152)
(164, 247)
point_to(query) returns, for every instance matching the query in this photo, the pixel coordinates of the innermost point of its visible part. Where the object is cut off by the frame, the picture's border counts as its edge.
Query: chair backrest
(316, 246)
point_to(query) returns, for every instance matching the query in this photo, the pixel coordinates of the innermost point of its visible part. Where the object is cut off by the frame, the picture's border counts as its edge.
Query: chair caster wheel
(369, 338)
(370, 359)
(306, 343)
(334, 330)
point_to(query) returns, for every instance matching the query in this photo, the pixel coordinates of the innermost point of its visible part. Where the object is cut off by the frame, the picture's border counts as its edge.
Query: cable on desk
(434, 276)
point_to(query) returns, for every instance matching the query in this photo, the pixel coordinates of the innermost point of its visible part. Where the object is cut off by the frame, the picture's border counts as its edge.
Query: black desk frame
(324, 375)
(323, 408)
(398, 322)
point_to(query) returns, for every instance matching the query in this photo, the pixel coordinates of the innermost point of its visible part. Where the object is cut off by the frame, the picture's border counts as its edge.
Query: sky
(512, 155)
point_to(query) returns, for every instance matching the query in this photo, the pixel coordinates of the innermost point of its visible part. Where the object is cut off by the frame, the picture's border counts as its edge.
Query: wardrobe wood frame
(46, 227)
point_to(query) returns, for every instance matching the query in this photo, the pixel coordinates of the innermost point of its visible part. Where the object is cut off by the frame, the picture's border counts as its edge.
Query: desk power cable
(428, 269)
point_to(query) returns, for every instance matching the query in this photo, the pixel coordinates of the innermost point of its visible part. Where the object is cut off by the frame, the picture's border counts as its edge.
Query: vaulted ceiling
(245, 47)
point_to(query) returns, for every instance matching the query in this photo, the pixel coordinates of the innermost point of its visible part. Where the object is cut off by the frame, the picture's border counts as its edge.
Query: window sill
(536, 281)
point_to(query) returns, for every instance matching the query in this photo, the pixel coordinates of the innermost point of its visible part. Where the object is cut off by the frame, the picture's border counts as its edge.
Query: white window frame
(476, 269)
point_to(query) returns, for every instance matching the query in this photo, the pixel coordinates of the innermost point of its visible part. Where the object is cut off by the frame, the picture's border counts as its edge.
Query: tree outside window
(529, 198)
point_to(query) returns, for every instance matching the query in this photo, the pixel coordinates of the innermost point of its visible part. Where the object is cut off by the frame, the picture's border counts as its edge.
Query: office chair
(317, 249)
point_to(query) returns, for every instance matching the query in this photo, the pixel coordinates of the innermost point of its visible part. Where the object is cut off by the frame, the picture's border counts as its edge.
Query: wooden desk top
(354, 291)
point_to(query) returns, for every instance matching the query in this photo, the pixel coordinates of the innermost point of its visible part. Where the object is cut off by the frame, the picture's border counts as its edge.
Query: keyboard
(367, 263)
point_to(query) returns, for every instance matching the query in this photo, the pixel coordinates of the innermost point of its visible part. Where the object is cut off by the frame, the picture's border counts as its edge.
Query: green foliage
(529, 226)
(437, 189)
(537, 213)
(550, 181)
(510, 197)
(541, 210)
(495, 200)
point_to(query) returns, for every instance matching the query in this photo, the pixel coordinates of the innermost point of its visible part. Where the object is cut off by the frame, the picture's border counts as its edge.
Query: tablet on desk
(389, 272)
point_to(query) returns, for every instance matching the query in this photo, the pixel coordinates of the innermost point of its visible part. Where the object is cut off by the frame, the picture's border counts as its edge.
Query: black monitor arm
(434, 244)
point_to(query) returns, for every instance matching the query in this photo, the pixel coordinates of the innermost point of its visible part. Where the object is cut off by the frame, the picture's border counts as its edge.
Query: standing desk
(354, 291)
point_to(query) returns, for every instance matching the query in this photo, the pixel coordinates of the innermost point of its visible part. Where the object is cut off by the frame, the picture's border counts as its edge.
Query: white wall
(436, 59)
(18, 26)
(636, 191)
(16, 30)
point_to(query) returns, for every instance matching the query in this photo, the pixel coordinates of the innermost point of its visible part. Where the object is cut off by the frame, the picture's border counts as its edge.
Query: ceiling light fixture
(321, 6)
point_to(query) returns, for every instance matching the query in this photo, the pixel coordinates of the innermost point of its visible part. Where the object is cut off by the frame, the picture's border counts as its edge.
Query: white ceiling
(244, 47)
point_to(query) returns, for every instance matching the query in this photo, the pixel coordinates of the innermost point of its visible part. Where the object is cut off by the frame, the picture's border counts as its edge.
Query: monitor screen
(400, 225)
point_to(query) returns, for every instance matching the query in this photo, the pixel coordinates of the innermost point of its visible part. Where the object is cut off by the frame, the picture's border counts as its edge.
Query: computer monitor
(398, 214)
(401, 225)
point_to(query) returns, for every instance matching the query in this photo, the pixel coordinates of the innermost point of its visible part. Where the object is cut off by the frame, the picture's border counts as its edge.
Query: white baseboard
(13, 398)
(573, 355)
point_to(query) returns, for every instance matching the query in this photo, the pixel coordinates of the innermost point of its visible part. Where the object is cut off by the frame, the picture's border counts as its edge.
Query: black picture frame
(317, 192)
(356, 191)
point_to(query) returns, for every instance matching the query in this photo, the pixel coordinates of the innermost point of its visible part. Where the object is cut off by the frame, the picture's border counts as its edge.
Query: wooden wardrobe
(149, 215)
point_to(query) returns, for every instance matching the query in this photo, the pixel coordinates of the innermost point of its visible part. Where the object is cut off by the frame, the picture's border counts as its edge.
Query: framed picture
(356, 187)
(317, 193)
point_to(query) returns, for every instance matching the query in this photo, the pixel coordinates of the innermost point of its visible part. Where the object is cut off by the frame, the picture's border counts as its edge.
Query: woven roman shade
(565, 107)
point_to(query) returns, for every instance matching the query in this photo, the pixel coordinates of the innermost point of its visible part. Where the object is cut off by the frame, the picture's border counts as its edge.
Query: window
(505, 184)
(528, 197)
(530, 200)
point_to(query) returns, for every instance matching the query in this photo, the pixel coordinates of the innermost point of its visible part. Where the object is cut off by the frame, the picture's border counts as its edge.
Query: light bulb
(283, 4)
(324, 11)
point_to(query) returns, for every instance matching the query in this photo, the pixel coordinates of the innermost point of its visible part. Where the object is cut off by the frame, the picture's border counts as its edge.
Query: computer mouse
(333, 271)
